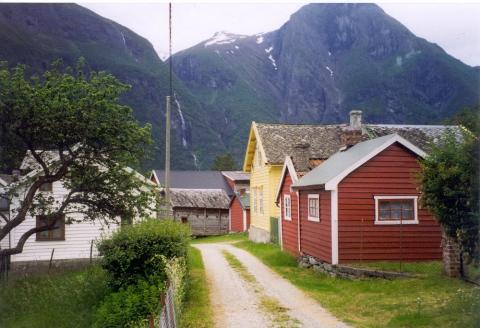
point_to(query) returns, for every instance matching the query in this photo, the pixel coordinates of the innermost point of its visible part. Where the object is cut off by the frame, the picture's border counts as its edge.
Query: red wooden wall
(236, 215)
(289, 228)
(315, 237)
(389, 173)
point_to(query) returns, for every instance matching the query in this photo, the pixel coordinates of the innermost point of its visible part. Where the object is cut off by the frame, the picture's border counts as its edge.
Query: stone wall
(451, 257)
(348, 272)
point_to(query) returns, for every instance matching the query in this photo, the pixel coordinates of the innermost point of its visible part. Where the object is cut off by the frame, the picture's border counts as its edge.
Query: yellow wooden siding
(265, 178)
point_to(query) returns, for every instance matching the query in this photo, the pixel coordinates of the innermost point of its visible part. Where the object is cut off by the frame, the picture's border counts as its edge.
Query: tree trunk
(451, 256)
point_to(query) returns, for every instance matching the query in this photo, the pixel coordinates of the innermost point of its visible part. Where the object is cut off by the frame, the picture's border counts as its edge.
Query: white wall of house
(78, 236)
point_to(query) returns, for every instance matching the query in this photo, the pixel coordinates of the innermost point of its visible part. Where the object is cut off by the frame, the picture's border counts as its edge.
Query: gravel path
(235, 302)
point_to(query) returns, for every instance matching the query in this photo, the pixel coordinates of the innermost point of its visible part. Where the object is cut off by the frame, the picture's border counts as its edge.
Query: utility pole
(168, 114)
(167, 155)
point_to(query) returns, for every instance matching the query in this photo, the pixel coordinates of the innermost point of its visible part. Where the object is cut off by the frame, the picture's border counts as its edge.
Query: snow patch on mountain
(274, 63)
(268, 50)
(260, 40)
(330, 70)
(223, 38)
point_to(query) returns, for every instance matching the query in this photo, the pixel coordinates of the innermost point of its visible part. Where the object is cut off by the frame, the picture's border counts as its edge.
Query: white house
(70, 241)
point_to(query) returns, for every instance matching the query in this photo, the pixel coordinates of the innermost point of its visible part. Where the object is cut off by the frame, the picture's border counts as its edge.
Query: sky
(454, 27)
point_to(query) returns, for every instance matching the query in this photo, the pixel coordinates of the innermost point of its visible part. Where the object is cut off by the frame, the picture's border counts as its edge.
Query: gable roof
(280, 140)
(342, 163)
(237, 175)
(199, 198)
(194, 180)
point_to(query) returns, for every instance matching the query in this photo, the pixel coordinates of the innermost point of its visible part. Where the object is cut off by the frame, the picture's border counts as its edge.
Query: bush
(129, 306)
(134, 252)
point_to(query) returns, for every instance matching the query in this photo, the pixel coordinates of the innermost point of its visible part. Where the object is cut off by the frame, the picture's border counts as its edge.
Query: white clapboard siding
(78, 236)
(4, 241)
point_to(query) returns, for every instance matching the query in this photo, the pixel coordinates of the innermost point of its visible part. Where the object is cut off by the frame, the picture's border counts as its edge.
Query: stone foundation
(347, 272)
(258, 235)
(31, 268)
(451, 257)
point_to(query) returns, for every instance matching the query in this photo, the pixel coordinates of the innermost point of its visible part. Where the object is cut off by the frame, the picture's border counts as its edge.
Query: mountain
(37, 34)
(325, 61)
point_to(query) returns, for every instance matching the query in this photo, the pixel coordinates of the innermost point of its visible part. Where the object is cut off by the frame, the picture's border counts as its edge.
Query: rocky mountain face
(37, 34)
(325, 61)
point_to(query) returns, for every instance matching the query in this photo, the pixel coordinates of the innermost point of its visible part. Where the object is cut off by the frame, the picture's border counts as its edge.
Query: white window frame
(289, 216)
(396, 222)
(317, 198)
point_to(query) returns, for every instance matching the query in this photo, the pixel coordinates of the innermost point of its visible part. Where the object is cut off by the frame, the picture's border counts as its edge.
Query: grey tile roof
(195, 180)
(237, 175)
(280, 140)
(199, 198)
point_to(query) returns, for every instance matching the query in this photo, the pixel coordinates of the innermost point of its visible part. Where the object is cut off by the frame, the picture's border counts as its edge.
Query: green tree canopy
(224, 162)
(449, 181)
(76, 132)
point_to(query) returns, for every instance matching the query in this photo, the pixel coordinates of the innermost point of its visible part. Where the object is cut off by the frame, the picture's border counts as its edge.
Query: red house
(359, 204)
(239, 181)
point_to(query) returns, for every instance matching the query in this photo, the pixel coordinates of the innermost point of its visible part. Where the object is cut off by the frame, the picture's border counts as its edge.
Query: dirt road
(236, 302)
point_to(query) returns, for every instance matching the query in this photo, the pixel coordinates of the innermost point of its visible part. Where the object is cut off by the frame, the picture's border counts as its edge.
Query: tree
(224, 162)
(449, 180)
(75, 132)
(469, 118)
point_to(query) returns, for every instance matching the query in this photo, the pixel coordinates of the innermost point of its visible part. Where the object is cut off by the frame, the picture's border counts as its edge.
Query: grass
(230, 238)
(427, 301)
(268, 305)
(66, 299)
(197, 308)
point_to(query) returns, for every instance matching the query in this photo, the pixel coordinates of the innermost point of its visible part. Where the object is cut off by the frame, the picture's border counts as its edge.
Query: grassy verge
(427, 301)
(197, 309)
(268, 305)
(61, 300)
(232, 237)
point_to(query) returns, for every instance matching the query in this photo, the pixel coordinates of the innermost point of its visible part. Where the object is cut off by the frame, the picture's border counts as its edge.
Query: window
(260, 200)
(46, 187)
(184, 220)
(287, 207)
(58, 231)
(313, 208)
(255, 200)
(396, 210)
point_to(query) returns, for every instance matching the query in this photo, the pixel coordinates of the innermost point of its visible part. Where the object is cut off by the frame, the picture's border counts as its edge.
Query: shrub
(129, 306)
(134, 252)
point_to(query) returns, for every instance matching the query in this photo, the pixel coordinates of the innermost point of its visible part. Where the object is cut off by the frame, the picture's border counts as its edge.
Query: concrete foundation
(258, 235)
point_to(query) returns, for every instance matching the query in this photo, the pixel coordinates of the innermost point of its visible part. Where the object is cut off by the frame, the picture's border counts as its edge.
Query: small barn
(239, 181)
(199, 198)
(363, 204)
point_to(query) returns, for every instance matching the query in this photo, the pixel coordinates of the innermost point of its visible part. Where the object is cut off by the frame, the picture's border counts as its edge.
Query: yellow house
(268, 145)
(264, 177)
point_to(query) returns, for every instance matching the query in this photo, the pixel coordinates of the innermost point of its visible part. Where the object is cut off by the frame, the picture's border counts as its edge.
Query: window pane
(401, 209)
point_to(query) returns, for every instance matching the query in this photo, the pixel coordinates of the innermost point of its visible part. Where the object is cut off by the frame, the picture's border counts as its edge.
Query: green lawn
(60, 300)
(197, 309)
(232, 237)
(428, 301)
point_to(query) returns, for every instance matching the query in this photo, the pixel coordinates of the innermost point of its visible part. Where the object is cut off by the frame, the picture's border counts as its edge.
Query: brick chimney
(352, 134)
